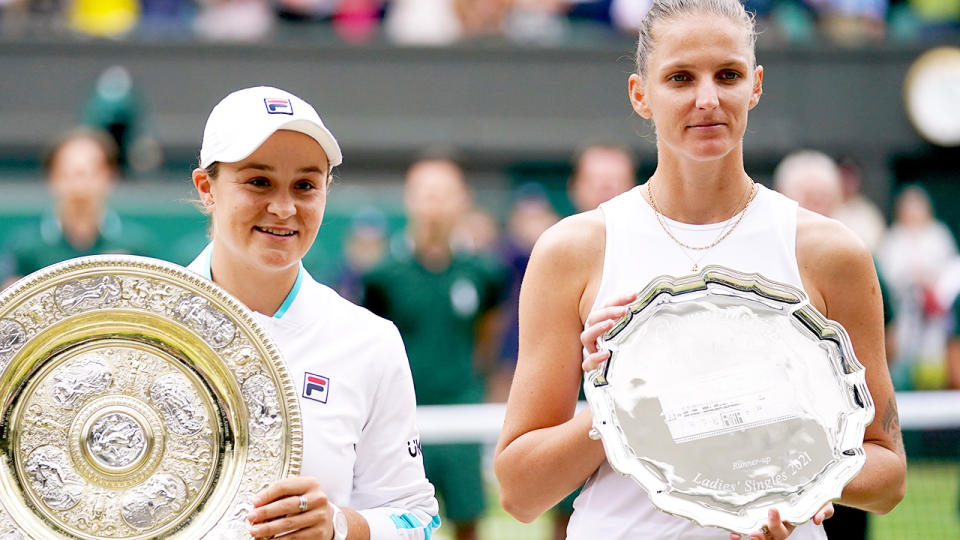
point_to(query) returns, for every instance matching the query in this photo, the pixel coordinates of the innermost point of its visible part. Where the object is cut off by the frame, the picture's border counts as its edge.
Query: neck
(699, 192)
(431, 246)
(261, 290)
(80, 222)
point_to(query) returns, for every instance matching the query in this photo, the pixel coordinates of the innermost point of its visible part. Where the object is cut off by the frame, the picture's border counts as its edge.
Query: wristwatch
(339, 523)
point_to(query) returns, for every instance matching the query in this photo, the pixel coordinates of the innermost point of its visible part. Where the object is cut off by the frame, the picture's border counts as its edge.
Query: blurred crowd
(443, 22)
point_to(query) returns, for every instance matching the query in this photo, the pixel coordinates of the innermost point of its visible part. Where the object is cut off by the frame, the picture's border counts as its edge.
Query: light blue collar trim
(288, 301)
(206, 256)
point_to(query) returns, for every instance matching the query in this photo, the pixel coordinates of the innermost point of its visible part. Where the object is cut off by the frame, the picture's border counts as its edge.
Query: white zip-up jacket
(360, 437)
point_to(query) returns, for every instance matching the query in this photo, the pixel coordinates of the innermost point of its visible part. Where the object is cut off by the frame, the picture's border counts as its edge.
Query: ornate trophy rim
(43, 334)
(721, 284)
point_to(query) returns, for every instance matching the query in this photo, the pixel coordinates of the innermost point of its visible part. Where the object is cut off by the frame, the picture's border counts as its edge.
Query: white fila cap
(243, 120)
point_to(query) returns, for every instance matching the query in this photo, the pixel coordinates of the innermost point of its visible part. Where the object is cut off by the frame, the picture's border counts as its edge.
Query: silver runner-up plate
(726, 395)
(137, 400)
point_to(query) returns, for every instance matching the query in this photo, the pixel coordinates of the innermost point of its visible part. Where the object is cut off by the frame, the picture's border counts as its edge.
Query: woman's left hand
(777, 529)
(292, 505)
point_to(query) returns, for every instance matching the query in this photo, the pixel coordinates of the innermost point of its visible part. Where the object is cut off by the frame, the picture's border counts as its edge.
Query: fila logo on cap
(278, 106)
(315, 387)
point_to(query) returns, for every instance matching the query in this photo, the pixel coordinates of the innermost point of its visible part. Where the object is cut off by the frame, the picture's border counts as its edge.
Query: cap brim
(241, 150)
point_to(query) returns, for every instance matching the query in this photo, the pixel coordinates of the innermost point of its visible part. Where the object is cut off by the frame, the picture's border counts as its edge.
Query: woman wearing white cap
(265, 166)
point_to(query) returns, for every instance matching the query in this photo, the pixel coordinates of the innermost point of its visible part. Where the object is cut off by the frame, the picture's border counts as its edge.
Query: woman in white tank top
(697, 79)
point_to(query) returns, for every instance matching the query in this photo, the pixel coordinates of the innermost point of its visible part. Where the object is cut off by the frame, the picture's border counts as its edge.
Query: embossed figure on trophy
(153, 502)
(214, 326)
(194, 451)
(79, 294)
(179, 404)
(36, 418)
(117, 440)
(84, 376)
(53, 479)
(12, 336)
(261, 398)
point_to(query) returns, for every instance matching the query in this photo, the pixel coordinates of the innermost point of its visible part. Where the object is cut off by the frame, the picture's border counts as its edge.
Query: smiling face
(700, 81)
(266, 209)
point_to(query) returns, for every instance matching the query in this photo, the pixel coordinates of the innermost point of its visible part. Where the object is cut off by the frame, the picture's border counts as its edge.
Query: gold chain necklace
(724, 233)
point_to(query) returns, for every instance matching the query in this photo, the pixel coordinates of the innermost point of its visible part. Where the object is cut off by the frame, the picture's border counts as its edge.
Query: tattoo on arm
(891, 424)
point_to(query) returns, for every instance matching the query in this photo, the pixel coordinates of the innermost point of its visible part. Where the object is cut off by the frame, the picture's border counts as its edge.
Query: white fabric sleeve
(390, 488)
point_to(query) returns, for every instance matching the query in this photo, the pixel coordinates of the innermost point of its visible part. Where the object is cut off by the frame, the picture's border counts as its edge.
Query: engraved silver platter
(728, 394)
(137, 400)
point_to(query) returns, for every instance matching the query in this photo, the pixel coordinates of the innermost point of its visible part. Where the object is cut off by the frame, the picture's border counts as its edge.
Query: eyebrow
(685, 66)
(268, 168)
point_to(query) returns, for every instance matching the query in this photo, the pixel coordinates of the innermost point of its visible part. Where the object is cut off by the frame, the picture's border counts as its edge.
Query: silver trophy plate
(137, 400)
(726, 395)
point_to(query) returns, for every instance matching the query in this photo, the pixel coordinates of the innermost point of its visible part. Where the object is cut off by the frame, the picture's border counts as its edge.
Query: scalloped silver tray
(728, 394)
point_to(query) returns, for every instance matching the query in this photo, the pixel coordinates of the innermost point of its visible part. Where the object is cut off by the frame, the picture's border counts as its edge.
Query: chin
(278, 261)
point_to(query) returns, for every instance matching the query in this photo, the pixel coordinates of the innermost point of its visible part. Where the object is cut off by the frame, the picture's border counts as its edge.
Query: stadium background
(515, 110)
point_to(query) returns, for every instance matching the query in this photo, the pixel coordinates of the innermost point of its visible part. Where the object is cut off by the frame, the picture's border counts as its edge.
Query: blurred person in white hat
(264, 172)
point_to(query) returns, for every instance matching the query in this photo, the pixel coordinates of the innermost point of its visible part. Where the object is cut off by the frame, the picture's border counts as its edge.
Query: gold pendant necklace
(724, 233)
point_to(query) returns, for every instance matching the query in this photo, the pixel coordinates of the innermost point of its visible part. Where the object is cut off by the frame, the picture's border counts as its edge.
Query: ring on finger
(303, 504)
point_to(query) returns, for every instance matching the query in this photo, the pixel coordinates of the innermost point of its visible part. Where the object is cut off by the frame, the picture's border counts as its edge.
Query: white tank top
(637, 250)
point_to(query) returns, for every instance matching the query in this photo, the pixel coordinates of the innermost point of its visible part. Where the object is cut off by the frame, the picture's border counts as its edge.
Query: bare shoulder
(567, 261)
(575, 237)
(833, 260)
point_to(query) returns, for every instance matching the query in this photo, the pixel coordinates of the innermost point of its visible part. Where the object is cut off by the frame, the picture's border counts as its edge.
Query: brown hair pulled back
(668, 10)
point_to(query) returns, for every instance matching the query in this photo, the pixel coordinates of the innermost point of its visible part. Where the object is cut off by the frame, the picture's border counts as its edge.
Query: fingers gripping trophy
(730, 344)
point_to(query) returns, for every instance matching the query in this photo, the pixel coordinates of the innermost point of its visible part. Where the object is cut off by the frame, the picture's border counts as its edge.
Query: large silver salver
(728, 394)
(139, 400)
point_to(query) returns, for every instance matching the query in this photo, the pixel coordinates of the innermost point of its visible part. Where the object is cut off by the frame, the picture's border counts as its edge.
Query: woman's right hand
(598, 322)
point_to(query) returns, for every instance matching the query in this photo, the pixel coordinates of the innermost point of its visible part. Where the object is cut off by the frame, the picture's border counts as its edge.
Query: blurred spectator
(104, 18)
(116, 107)
(601, 171)
(165, 17)
(857, 211)
(423, 22)
(233, 20)
(914, 251)
(439, 298)
(812, 179)
(477, 232)
(538, 21)
(627, 14)
(306, 10)
(479, 18)
(851, 22)
(816, 182)
(530, 215)
(953, 347)
(935, 18)
(364, 248)
(27, 16)
(81, 170)
(355, 21)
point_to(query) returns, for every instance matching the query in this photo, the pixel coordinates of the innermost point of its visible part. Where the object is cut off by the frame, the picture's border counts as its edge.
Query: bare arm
(544, 451)
(839, 275)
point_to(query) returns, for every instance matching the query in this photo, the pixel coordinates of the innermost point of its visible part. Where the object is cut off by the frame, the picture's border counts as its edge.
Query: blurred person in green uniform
(81, 170)
(440, 299)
